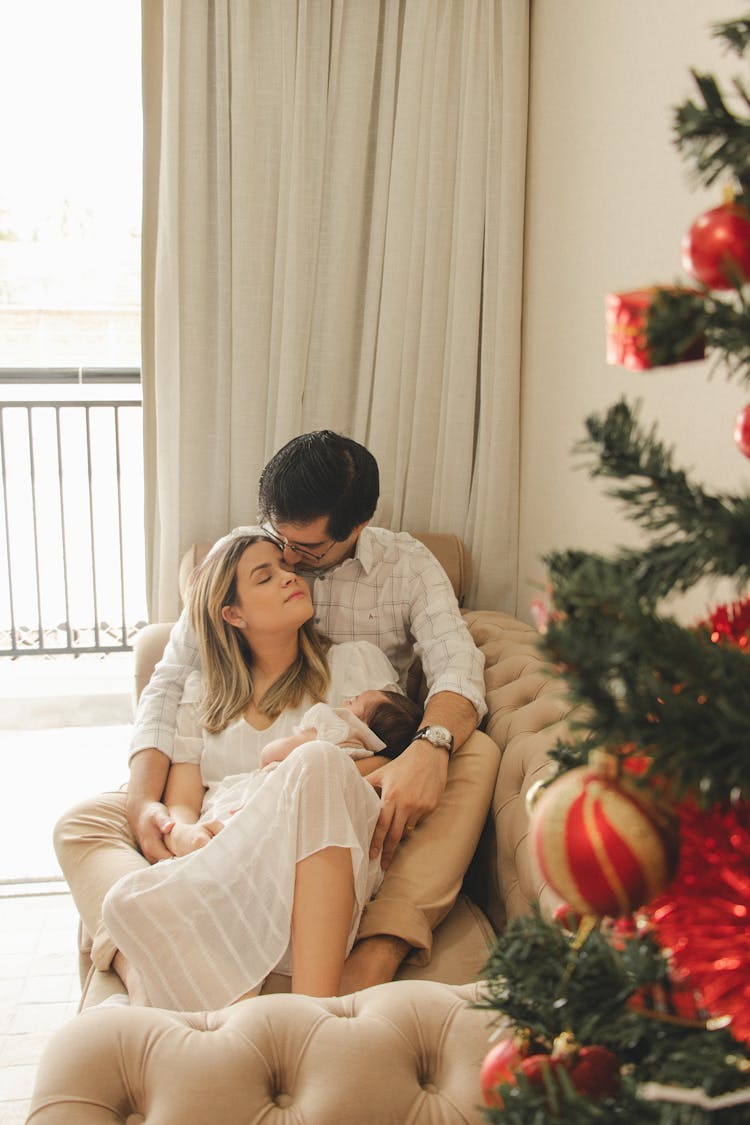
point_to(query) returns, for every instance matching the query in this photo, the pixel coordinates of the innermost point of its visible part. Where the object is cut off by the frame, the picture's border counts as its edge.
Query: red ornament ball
(716, 248)
(596, 1072)
(534, 1067)
(499, 1067)
(602, 843)
(742, 431)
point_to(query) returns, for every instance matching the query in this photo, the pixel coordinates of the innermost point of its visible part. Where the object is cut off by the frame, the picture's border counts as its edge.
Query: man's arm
(411, 786)
(184, 798)
(153, 739)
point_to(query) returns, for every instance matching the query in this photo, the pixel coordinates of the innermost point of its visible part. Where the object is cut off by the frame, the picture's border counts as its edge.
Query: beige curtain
(333, 223)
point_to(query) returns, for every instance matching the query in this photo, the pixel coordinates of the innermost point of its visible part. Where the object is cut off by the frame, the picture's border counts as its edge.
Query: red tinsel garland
(730, 623)
(703, 917)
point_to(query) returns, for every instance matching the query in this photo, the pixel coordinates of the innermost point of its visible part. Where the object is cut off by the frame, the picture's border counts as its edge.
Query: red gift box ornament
(627, 331)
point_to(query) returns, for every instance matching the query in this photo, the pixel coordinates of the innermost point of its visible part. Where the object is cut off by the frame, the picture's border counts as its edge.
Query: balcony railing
(71, 546)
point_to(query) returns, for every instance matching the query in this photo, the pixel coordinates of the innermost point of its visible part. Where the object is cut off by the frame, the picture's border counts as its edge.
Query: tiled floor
(39, 989)
(47, 764)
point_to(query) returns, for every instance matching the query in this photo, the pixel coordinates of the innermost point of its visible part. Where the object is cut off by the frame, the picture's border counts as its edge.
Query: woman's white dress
(206, 928)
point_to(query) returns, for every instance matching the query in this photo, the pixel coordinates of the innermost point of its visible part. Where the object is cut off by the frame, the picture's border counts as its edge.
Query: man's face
(309, 546)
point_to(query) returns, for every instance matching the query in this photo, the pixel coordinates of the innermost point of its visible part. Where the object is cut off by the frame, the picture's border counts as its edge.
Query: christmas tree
(633, 1004)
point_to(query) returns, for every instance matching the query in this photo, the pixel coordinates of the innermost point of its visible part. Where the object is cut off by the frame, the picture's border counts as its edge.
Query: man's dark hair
(395, 722)
(320, 474)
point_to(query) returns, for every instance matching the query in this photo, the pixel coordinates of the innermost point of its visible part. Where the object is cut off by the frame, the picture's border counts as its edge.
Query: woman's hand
(182, 839)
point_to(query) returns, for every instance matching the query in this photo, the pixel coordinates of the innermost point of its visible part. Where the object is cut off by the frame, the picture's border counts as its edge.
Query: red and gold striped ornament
(603, 844)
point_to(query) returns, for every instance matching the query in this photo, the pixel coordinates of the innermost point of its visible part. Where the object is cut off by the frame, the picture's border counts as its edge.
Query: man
(316, 498)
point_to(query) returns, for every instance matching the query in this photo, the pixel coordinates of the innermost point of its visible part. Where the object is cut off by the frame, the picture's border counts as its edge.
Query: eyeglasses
(284, 544)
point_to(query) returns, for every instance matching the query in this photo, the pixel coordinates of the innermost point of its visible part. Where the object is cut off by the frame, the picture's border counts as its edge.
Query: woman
(290, 871)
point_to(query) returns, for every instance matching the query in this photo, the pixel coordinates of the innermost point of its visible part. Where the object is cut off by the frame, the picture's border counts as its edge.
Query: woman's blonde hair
(226, 658)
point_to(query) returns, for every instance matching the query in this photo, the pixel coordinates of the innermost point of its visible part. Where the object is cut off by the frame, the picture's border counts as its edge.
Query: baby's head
(391, 716)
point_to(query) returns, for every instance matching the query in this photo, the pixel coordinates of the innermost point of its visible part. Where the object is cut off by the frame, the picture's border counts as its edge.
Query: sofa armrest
(528, 712)
(407, 1051)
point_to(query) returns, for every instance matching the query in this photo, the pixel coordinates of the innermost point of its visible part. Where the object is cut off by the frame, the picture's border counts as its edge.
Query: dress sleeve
(358, 666)
(340, 726)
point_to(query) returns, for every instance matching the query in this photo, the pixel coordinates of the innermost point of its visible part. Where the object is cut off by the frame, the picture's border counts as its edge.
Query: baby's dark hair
(395, 721)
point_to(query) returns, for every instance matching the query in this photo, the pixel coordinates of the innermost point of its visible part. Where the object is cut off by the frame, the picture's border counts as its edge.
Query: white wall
(609, 199)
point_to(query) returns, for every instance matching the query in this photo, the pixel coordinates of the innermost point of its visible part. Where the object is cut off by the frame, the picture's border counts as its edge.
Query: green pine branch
(735, 33)
(647, 680)
(713, 137)
(695, 534)
(540, 981)
(679, 318)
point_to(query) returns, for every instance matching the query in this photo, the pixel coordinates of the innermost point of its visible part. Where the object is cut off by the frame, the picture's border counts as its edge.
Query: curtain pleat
(333, 222)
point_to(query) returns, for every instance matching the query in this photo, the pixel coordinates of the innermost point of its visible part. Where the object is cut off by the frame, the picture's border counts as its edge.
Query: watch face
(439, 736)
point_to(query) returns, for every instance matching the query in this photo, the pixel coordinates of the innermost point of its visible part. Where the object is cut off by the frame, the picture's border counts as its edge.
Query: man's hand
(410, 788)
(146, 815)
(185, 838)
(149, 821)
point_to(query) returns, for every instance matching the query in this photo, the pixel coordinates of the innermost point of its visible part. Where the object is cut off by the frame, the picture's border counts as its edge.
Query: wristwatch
(437, 736)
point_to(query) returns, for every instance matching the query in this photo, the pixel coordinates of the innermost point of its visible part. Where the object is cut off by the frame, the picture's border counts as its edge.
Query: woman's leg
(321, 921)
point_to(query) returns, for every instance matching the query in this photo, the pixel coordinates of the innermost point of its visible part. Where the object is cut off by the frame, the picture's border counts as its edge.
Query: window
(71, 552)
(70, 188)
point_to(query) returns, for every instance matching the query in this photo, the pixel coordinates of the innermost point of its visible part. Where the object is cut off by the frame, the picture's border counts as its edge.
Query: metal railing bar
(97, 638)
(119, 522)
(13, 632)
(63, 537)
(74, 404)
(35, 526)
(80, 375)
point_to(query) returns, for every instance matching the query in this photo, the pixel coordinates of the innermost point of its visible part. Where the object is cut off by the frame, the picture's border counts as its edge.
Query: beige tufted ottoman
(407, 1052)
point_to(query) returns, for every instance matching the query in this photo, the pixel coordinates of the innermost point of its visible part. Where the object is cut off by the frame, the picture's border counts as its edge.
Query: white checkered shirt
(393, 593)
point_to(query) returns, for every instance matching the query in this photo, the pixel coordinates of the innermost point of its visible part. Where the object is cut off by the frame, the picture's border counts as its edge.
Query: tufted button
(283, 1100)
(429, 1087)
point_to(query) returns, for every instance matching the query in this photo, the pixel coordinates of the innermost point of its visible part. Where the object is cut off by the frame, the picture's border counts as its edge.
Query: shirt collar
(364, 555)
(364, 551)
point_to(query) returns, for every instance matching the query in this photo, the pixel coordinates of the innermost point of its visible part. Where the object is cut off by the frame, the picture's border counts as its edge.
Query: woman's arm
(280, 748)
(183, 798)
(184, 793)
(369, 765)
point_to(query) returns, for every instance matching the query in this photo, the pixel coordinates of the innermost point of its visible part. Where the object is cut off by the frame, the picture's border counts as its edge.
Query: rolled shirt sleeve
(156, 717)
(442, 641)
(188, 736)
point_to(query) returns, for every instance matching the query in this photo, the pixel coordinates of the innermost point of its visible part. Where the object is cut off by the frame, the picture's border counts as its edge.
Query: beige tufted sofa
(409, 1051)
